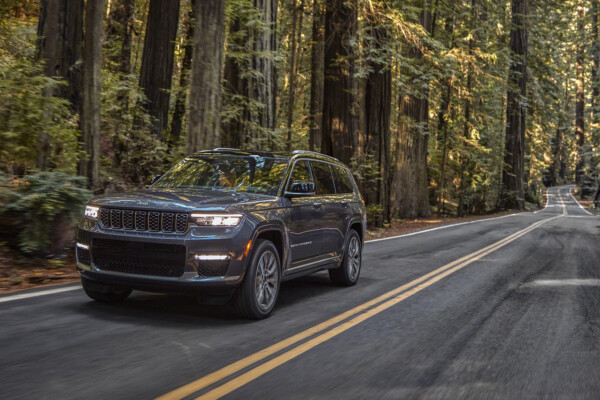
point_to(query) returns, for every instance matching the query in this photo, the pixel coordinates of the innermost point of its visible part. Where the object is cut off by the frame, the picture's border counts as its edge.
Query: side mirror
(299, 189)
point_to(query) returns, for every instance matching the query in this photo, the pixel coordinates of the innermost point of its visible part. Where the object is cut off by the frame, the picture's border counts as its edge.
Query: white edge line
(547, 201)
(36, 294)
(578, 203)
(438, 228)
(70, 288)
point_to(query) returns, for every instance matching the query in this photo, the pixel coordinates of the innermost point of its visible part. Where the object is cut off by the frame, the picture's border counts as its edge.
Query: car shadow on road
(182, 310)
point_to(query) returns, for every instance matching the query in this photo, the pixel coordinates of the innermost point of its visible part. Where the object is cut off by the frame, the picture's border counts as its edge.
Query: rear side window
(323, 178)
(343, 183)
(301, 173)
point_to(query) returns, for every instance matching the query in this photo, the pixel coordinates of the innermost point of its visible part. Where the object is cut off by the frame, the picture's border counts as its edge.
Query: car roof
(276, 154)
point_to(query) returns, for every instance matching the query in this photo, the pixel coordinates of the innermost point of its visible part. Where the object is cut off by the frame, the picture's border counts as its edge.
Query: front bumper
(231, 242)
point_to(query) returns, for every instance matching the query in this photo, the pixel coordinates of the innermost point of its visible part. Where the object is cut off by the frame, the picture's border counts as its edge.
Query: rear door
(346, 199)
(305, 224)
(333, 218)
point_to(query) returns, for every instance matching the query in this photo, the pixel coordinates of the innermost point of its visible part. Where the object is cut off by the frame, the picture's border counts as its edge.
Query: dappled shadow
(183, 310)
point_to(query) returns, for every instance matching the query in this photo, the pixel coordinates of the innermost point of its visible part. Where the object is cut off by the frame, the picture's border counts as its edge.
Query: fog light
(212, 264)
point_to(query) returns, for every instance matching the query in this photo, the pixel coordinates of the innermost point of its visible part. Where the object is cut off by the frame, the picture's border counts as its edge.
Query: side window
(343, 183)
(323, 178)
(301, 173)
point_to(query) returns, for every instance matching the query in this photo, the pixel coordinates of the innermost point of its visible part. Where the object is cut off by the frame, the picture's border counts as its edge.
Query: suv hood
(178, 200)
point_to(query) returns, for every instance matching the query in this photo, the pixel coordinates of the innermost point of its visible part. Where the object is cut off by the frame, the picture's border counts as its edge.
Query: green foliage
(130, 152)
(38, 200)
(27, 109)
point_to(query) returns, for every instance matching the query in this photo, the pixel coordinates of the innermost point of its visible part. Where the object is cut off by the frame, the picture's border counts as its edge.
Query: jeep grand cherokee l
(226, 222)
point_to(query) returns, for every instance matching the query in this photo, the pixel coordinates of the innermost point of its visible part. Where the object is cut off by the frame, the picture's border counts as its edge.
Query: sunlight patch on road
(562, 282)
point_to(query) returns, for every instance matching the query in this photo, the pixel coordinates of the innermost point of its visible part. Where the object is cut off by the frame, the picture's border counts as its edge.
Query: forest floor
(18, 272)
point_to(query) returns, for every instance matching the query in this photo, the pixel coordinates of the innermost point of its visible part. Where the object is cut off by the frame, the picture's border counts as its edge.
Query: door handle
(317, 205)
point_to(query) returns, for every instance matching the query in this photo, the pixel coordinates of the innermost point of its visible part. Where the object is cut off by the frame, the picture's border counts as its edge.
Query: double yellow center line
(359, 314)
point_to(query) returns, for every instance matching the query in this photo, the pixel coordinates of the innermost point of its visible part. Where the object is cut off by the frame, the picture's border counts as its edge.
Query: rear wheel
(256, 297)
(347, 274)
(104, 293)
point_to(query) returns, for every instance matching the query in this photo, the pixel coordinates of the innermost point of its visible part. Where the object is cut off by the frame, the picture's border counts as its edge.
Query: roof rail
(316, 153)
(225, 149)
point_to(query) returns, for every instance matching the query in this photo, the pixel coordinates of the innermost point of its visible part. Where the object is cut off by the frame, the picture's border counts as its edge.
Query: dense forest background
(450, 107)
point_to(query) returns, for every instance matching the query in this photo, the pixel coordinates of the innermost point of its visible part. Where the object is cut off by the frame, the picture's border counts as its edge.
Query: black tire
(104, 293)
(247, 299)
(348, 273)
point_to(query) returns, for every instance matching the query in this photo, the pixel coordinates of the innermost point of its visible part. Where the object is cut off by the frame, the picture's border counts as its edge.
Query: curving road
(498, 309)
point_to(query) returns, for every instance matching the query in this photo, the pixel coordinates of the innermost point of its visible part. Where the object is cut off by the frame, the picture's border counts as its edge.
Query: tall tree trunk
(205, 92)
(377, 114)
(90, 115)
(512, 177)
(467, 166)
(60, 38)
(596, 64)
(186, 63)
(255, 80)
(317, 66)
(339, 99)
(295, 43)
(156, 72)
(408, 193)
(443, 117)
(580, 97)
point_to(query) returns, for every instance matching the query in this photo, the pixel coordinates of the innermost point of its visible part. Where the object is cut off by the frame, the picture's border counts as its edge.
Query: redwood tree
(516, 110)
(156, 72)
(377, 113)
(408, 191)
(317, 66)
(339, 99)
(90, 115)
(580, 97)
(205, 92)
(60, 38)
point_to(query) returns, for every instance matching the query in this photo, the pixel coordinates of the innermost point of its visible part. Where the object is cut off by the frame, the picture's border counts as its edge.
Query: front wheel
(104, 293)
(256, 297)
(347, 274)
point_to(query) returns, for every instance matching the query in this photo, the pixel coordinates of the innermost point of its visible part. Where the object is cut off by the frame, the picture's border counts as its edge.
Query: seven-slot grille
(153, 221)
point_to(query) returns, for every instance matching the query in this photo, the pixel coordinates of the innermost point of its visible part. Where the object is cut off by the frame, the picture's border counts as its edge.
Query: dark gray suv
(226, 223)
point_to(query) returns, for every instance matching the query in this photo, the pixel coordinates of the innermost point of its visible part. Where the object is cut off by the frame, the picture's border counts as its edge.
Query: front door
(306, 218)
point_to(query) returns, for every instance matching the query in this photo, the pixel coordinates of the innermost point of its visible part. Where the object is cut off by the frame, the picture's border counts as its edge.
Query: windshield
(252, 174)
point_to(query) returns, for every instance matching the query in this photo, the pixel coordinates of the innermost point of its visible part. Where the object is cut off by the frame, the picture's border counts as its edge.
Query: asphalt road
(505, 308)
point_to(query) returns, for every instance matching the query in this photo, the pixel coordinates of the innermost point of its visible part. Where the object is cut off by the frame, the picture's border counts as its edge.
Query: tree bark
(90, 115)
(580, 97)
(60, 38)
(377, 113)
(339, 99)
(443, 117)
(409, 189)
(512, 177)
(467, 166)
(205, 91)
(186, 63)
(296, 10)
(156, 72)
(317, 66)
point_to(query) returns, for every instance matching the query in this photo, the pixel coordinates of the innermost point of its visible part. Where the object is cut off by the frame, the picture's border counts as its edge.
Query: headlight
(216, 219)
(91, 212)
